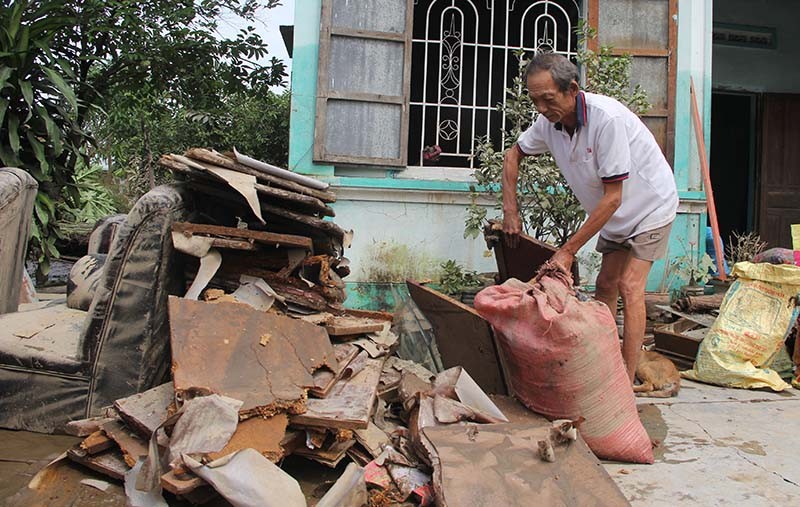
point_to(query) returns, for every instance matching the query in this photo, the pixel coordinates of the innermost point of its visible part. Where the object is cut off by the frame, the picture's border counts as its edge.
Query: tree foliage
(549, 209)
(64, 63)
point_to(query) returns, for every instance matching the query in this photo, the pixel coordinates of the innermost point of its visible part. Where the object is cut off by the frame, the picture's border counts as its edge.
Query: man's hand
(512, 227)
(563, 259)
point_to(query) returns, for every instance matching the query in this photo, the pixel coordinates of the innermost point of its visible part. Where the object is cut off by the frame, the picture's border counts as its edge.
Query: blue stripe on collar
(580, 109)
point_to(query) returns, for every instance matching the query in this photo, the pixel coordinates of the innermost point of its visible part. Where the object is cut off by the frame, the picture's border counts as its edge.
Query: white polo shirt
(610, 144)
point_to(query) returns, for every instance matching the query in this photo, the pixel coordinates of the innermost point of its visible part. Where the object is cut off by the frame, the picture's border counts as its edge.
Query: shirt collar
(580, 111)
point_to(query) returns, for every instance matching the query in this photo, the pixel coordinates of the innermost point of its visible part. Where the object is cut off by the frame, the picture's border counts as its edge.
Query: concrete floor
(719, 447)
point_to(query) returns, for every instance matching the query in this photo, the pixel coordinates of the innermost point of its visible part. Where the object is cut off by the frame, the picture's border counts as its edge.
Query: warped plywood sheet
(499, 464)
(463, 337)
(267, 361)
(349, 404)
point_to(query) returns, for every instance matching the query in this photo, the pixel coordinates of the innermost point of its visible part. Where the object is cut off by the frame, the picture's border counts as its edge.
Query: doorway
(733, 161)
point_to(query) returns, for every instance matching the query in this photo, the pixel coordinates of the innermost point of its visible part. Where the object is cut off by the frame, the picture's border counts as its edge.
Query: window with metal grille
(463, 59)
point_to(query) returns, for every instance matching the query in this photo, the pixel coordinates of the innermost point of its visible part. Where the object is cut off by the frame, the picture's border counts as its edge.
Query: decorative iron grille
(463, 59)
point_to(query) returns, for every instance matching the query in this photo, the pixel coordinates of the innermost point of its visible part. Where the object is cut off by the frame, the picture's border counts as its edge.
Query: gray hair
(562, 70)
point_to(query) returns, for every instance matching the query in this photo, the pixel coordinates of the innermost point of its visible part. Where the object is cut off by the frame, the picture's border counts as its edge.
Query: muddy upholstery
(17, 196)
(123, 345)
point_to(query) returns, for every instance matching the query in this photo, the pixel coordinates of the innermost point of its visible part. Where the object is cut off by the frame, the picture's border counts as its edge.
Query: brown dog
(659, 376)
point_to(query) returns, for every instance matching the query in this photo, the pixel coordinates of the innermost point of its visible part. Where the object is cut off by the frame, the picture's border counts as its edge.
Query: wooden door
(780, 169)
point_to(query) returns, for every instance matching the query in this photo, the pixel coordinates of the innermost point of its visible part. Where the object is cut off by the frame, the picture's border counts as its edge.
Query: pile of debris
(267, 363)
(289, 245)
(245, 379)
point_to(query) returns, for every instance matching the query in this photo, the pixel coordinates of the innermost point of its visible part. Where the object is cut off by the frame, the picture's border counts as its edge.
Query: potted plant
(693, 269)
(458, 282)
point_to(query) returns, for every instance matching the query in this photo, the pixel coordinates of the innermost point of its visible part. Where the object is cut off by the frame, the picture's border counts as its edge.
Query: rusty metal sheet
(144, 412)
(498, 464)
(524, 261)
(349, 404)
(463, 337)
(264, 360)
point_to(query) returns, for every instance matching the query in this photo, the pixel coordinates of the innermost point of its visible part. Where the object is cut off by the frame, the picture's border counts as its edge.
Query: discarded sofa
(81, 362)
(17, 197)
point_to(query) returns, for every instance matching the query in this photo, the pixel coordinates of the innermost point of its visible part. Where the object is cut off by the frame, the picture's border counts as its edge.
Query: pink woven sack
(564, 362)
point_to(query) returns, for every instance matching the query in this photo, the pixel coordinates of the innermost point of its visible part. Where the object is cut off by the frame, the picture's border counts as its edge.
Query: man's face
(555, 105)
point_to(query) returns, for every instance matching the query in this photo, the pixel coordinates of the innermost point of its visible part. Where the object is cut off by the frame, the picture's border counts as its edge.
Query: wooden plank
(144, 412)
(346, 325)
(217, 347)
(132, 446)
(511, 473)
(85, 427)
(377, 98)
(109, 463)
(290, 197)
(349, 404)
(183, 484)
(653, 52)
(220, 160)
(368, 34)
(97, 442)
(463, 337)
(263, 237)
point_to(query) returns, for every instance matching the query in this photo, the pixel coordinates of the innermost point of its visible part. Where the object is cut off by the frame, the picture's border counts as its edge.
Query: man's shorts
(647, 246)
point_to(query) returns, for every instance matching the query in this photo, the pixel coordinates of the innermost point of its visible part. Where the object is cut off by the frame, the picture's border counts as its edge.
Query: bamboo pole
(712, 209)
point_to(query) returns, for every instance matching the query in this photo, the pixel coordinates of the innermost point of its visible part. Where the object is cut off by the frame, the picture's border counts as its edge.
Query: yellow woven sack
(748, 336)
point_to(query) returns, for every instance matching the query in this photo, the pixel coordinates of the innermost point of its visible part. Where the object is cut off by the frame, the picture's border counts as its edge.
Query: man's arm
(512, 225)
(610, 202)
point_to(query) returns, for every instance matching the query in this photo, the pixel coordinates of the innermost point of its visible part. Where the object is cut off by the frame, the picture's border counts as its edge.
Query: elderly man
(614, 166)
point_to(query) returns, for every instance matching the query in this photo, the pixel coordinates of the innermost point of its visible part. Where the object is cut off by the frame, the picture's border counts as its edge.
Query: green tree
(549, 210)
(78, 57)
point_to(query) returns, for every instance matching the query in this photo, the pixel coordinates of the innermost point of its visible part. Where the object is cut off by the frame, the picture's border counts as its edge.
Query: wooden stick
(712, 209)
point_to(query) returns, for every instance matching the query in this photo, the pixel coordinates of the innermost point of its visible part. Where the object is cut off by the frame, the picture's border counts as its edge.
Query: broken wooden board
(144, 412)
(260, 237)
(463, 337)
(132, 446)
(109, 463)
(348, 325)
(181, 485)
(373, 439)
(325, 379)
(218, 159)
(524, 261)
(703, 319)
(85, 427)
(97, 442)
(349, 404)
(674, 341)
(259, 433)
(216, 347)
(499, 464)
(329, 456)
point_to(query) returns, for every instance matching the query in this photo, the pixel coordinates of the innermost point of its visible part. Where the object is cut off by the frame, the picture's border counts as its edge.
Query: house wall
(425, 208)
(759, 70)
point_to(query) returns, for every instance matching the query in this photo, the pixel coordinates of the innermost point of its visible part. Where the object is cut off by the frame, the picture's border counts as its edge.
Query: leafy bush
(454, 278)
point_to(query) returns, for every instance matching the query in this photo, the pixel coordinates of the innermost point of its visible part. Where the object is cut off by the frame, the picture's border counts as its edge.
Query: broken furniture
(17, 196)
(463, 337)
(123, 347)
(522, 262)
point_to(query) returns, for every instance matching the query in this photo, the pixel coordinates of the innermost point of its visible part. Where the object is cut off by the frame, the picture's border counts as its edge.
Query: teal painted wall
(694, 61)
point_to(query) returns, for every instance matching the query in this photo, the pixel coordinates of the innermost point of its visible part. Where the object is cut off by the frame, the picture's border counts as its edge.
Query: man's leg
(608, 280)
(631, 286)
